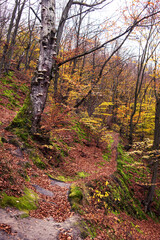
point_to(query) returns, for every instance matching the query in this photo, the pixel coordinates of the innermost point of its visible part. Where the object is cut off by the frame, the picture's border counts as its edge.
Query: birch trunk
(43, 75)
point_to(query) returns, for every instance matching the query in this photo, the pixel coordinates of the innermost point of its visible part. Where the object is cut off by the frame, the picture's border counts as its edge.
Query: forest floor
(53, 219)
(79, 164)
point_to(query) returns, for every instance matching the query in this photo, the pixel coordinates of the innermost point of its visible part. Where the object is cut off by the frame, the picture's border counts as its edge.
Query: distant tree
(156, 142)
(14, 34)
(144, 57)
(9, 35)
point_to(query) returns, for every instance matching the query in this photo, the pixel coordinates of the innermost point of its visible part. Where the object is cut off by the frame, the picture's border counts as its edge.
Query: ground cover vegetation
(85, 117)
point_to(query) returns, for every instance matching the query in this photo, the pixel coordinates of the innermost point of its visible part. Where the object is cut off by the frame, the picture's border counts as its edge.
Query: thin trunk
(156, 143)
(20, 61)
(131, 125)
(77, 40)
(13, 40)
(58, 39)
(5, 49)
(151, 191)
(30, 56)
(61, 24)
(143, 60)
(31, 29)
(157, 125)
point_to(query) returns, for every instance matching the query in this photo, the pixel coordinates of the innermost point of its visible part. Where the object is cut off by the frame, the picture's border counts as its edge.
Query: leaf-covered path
(54, 219)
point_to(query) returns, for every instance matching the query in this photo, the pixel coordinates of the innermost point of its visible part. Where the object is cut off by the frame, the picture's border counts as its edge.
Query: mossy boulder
(75, 196)
(28, 201)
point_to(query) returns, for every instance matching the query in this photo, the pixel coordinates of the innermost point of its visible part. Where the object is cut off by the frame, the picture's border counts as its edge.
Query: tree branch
(35, 14)
(136, 22)
(92, 5)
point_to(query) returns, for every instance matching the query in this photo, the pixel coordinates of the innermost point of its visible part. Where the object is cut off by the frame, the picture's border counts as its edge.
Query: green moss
(11, 95)
(121, 198)
(63, 153)
(79, 130)
(75, 196)
(23, 118)
(28, 201)
(87, 229)
(62, 178)
(23, 135)
(7, 79)
(101, 164)
(24, 215)
(1, 142)
(107, 152)
(37, 161)
(157, 202)
(106, 156)
(82, 174)
(24, 88)
(116, 195)
(21, 124)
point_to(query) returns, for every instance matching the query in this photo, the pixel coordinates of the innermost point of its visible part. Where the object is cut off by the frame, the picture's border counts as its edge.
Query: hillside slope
(68, 174)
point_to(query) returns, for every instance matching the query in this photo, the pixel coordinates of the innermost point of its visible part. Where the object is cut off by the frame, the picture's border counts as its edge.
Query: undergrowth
(115, 194)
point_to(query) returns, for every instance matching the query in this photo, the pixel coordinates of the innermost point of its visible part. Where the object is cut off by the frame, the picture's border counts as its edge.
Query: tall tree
(43, 75)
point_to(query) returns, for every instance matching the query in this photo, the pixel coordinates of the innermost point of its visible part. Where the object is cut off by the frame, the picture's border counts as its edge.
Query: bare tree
(14, 34)
(147, 52)
(11, 25)
(64, 17)
(31, 30)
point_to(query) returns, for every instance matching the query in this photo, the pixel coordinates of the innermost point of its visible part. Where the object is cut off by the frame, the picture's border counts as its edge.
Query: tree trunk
(59, 36)
(11, 25)
(43, 75)
(157, 125)
(13, 40)
(151, 191)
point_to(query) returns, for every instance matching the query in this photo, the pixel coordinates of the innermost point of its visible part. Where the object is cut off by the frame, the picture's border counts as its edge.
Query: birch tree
(30, 115)
(43, 75)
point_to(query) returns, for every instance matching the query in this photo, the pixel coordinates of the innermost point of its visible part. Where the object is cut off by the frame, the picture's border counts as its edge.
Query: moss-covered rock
(75, 196)
(28, 201)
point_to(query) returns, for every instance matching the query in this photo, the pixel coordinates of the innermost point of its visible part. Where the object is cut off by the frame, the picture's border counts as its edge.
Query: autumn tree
(49, 64)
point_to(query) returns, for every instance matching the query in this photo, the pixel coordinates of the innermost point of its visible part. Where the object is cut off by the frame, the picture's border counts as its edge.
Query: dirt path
(15, 227)
(37, 229)
(53, 219)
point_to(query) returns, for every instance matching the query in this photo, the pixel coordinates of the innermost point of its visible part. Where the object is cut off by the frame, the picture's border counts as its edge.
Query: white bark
(41, 80)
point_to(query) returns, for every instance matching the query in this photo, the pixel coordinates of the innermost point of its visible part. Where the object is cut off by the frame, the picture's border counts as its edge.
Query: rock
(18, 152)
(43, 190)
